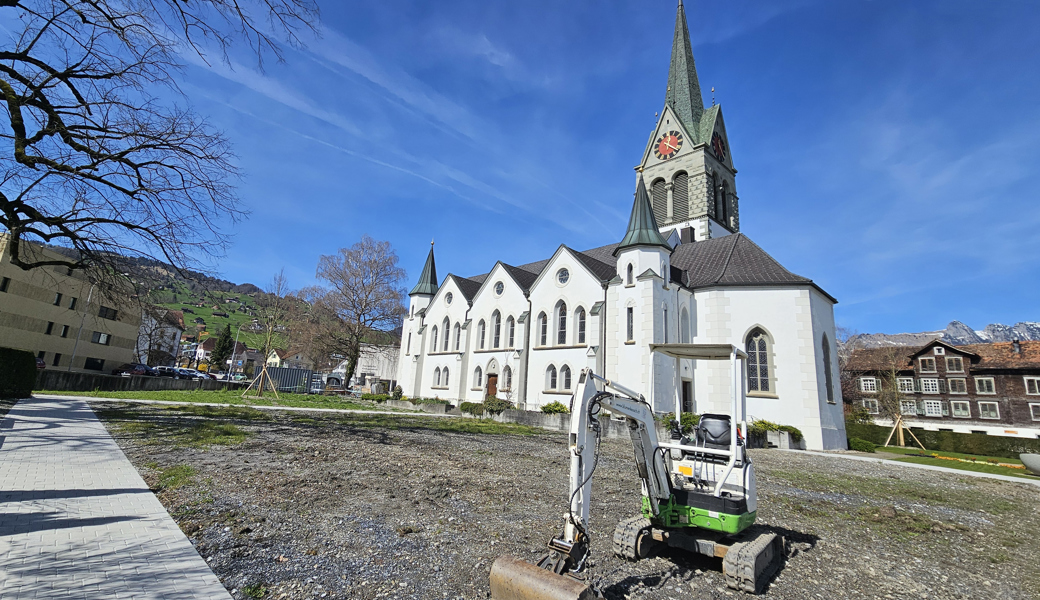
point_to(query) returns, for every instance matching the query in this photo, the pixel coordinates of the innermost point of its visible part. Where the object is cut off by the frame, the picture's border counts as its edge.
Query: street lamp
(234, 349)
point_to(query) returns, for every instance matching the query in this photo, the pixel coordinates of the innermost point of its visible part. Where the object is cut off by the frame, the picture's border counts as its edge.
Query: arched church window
(724, 193)
(684, 326)
(447, 338)
(561, 323)
(507, 378)
(496, 329)
(437, 376)
(659, 193)
(433, 339)
(760, 367)
(480, 334)
(543, 329)
(458, 337)
(630, 323)
(629, 278)
(827, 375)
(444, 376)
(565, 375)
(478, 377)
(681, 196)
(550, 378)
(408, 348)
(580, 320)
(510, 332)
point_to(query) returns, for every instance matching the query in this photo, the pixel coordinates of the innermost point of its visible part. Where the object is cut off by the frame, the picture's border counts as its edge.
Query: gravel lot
(399, 507)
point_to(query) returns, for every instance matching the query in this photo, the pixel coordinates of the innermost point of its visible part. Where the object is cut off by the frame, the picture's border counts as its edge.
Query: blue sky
(887, 150)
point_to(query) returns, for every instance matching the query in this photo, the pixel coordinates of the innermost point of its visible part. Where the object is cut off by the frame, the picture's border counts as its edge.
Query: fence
(291, 380)
(64, 381)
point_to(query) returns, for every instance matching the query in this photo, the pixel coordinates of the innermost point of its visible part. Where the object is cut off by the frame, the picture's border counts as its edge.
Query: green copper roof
(642, 227)
(428, 278)
(684, 91)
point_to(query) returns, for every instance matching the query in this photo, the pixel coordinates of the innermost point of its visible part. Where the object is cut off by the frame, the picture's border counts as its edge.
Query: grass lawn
(980, 466)
(235, 397)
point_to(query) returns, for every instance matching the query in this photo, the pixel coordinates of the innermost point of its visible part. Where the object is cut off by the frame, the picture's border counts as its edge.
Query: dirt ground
(411, 507)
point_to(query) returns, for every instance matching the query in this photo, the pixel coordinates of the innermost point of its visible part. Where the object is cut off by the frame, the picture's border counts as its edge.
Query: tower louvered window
(660, 197)
(681, 196)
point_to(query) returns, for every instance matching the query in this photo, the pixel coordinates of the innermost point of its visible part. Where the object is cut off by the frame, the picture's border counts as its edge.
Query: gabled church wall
(786, 316)
(582, 289)
(832, 413)
(437, 358)
(491, 360)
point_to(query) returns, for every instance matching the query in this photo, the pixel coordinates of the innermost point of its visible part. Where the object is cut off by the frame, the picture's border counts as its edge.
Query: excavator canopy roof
(701, 351)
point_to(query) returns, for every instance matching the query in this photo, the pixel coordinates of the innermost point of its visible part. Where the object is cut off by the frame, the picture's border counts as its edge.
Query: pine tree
(222, 349)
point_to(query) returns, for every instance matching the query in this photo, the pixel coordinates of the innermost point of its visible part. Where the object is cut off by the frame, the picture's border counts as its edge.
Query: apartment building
(63, 318)
(977, 388)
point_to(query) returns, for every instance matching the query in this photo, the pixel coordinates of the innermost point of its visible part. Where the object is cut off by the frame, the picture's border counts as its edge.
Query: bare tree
(364, 302)
(846, 339)
(100, 160)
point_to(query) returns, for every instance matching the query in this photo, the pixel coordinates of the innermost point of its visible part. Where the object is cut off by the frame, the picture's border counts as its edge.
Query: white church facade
(682, 273)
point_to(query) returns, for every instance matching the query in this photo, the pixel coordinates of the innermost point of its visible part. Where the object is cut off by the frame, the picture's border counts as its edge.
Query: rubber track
(738, 567)
(626, 534)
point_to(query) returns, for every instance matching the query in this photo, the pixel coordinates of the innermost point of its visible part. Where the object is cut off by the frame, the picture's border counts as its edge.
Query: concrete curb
(892, 463)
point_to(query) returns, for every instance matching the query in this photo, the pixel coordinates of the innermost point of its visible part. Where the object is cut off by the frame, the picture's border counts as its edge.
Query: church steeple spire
(428, 278)
(642, 226)
(684, 91)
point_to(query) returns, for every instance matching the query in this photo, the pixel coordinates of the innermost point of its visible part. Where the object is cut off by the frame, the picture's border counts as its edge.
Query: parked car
(40, 363)
(168, 372)
(129, 369)
(188, 373)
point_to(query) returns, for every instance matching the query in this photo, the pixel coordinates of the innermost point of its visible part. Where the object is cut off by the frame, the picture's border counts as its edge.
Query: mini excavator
(698, 490)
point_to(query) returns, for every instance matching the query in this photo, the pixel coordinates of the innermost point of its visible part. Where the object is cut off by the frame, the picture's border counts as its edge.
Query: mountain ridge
(956, 333)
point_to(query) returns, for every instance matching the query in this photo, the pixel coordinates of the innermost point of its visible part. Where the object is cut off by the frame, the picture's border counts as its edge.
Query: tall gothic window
(478, 377)
(760, 369)
(630, 325)
(580, 318)
(445, 377)
(681, 196)
(458, 336)
(496, 329)
(437, 376)
(724, 200)
(543, 329)
(550, 378)
(507, 378)
(433, 340)
(447, 329)
(684, 326)
(565, 375)
(408, 348)
(629, 279)
(480, 334)
(510, 331)
(561, 323)
(828, 377)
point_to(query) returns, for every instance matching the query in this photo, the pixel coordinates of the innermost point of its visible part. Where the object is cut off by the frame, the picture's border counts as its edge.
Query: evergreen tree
(222, 350)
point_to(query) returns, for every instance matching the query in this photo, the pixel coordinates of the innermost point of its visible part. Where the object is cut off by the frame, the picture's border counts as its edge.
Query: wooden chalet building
(977, 388)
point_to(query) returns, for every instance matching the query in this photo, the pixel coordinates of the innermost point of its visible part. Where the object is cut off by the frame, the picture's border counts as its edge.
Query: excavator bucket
(514, 579)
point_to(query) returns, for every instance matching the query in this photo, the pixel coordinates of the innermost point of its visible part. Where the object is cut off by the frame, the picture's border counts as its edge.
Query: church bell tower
(687, 166)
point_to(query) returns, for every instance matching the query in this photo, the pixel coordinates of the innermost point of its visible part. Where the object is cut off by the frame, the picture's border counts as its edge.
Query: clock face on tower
(718, 146)
(668, 145)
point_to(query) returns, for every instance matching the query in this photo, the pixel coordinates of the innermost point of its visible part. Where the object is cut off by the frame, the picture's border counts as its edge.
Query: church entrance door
(492, 385)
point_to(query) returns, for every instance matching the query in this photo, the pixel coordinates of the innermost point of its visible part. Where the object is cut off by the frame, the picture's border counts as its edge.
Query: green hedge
(555, 408)
(759, 427)
(948, 441)
(495, 405)
(473, 408)
(17, 373)
(861, 445)
(375, 397)
(418, 401)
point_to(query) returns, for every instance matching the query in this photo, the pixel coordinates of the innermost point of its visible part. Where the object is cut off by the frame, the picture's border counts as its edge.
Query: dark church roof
(428, 278)
(642, 226)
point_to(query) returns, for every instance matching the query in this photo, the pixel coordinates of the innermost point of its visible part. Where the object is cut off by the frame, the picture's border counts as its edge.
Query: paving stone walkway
(76, 519)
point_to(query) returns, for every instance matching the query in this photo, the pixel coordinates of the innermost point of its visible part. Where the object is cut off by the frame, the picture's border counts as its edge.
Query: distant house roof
(1000, 355)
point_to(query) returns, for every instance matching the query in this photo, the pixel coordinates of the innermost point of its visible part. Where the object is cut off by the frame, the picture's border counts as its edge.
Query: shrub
(17, 373)
(398, 392)
(375, 397)
(948, 441)
(495, 405)
(759, 427)
(861, 445)
(418, 401)
(555, 408)
(474, 408)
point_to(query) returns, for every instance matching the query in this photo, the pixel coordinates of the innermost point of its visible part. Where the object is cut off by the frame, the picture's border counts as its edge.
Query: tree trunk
(352, 360)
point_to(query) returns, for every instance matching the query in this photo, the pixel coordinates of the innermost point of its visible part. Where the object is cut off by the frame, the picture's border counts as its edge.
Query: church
(682, 272)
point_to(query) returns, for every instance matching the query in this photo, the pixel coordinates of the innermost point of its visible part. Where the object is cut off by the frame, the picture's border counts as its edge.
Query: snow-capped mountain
(956, 333)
